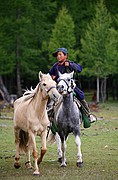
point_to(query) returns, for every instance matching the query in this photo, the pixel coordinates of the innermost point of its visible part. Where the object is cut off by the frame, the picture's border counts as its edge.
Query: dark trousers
(79, 93)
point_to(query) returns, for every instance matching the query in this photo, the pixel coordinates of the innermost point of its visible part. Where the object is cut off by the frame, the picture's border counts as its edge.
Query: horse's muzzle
(55, 97)
(60, 88)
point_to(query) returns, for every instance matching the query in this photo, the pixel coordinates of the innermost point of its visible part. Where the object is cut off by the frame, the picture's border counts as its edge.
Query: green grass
(99, 149)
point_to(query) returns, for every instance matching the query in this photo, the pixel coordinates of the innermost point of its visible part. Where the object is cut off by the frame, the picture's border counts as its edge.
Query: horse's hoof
(60, 160)
(79, 164)
(63, 165)
(17, 165)
(36, 174)
(28, 166)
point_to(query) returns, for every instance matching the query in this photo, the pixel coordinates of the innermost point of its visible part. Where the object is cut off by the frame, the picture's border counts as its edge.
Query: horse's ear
(40, 75)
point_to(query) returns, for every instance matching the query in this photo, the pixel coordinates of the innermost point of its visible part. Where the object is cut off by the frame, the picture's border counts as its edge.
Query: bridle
(50, 89)
(68, 86)
(43, 88)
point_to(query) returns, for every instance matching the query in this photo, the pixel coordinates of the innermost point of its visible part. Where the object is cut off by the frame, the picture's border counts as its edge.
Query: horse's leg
(63, 147)
(34, 153)
(79, 154)
(43, 149)
(17, 141)
(28, 162)
(58, 141)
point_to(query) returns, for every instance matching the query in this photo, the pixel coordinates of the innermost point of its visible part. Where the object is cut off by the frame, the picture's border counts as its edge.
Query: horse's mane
(30, 93)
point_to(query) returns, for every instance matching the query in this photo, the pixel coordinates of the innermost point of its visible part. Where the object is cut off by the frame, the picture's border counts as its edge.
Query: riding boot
(86, 107)
(92, 118)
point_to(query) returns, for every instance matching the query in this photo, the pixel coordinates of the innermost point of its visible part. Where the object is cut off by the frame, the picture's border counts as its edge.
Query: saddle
(53, 109)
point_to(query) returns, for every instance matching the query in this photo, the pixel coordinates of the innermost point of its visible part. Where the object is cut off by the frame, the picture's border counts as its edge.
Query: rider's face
(61, 57)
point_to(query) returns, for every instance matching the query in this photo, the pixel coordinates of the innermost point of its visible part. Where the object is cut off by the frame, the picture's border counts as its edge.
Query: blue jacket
(67, 69)
(64, 69)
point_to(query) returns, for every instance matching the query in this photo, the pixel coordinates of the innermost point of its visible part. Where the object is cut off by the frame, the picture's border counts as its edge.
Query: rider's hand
(53, 77)
(66, 63)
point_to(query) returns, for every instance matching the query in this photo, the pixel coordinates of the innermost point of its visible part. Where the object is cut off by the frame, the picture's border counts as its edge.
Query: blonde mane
(28, 94)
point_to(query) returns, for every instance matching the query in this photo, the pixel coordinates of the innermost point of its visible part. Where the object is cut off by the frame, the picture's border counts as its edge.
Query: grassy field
(99, 149)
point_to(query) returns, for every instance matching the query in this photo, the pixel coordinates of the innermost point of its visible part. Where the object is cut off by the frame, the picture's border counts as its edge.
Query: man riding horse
(65, 66)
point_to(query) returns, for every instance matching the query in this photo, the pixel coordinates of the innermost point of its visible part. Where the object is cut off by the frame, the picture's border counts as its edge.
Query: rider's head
(61, 54)
(64, 50)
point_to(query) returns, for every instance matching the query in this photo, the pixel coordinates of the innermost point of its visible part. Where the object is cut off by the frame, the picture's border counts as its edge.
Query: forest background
(31, 30)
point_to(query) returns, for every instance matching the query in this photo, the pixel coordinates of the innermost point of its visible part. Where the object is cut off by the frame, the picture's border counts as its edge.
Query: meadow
(99, 149)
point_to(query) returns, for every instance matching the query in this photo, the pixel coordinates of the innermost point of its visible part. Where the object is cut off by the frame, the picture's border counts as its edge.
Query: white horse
(31, 119)
(67, 118)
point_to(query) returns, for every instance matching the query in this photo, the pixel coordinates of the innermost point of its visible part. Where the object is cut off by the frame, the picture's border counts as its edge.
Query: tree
(99, 46)
(15, 25)
(24, 26)
(43, 22)
(25, 32)
(63, 34)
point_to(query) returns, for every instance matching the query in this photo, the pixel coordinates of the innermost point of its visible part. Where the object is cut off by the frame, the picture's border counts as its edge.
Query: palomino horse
(67, 118)
(31, 119)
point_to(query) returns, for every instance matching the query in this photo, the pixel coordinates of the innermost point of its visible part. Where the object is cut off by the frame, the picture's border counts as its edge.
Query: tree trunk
(4, 92)
(19, 89)
(117, 87)
(98, 99)
(103, 89)
(114, 87)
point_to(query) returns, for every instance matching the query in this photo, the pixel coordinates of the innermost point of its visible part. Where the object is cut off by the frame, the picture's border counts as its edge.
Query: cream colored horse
(31, 119)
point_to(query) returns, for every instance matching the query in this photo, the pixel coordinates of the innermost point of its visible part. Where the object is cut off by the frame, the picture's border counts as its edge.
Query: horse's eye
(44, 84)
(68, 79)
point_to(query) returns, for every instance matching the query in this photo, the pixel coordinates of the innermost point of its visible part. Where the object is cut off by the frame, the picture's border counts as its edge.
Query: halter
(71, 86)
(43, 88)
(50, 89)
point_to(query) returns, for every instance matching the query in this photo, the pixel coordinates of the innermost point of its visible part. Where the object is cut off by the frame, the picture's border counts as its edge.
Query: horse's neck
(39, 102)
(68, 100)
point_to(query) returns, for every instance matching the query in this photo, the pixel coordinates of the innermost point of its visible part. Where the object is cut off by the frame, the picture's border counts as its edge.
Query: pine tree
(99, 45)
(63, 34)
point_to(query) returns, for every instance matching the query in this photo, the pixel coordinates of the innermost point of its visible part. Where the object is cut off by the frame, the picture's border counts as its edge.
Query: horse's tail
(51, 138)
(24, 138)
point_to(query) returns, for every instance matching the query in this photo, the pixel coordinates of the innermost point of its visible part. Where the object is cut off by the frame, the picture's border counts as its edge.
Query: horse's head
(48, 87)
(66, 83)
